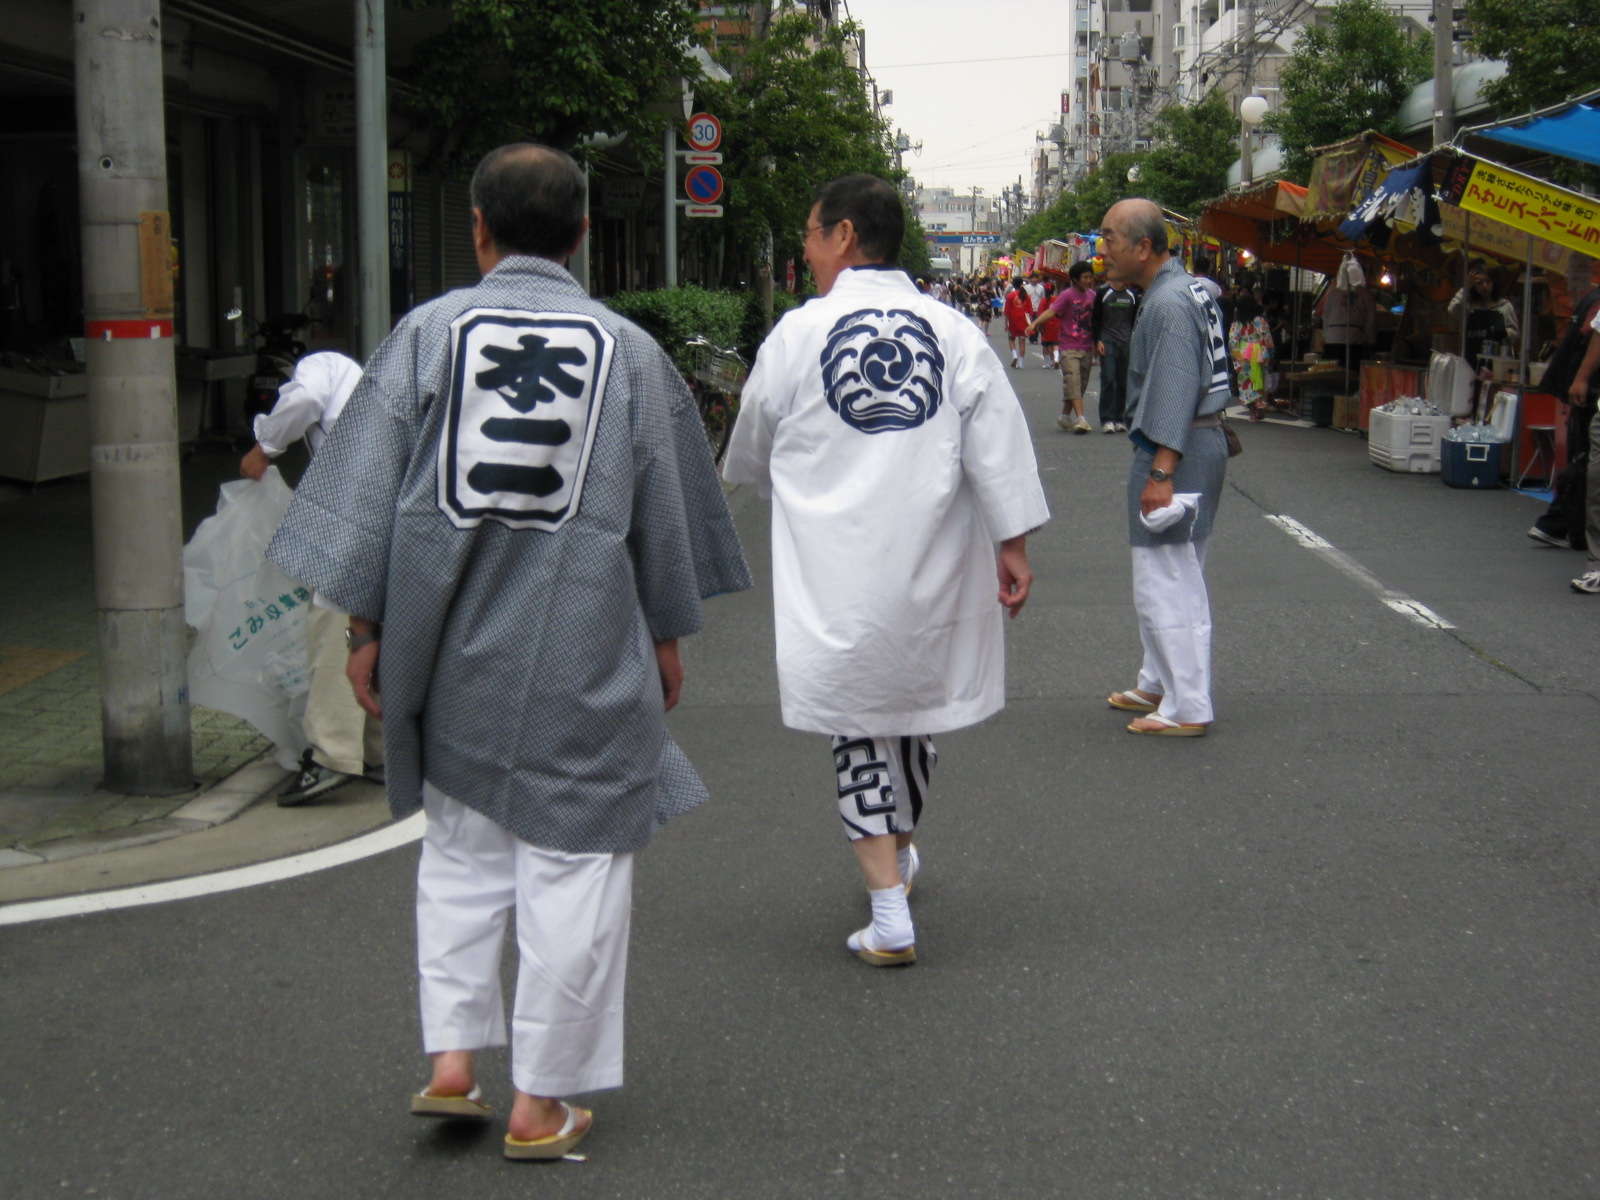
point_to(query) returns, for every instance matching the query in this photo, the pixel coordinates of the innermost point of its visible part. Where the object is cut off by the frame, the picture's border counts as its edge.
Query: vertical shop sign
(400, 272)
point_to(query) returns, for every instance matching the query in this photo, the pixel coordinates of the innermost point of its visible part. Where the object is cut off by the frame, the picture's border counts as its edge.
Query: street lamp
(1251, 110)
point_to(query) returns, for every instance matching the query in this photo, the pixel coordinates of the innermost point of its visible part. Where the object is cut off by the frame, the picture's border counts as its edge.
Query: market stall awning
(1344, 174)
(1569, 131)
(1266, 221)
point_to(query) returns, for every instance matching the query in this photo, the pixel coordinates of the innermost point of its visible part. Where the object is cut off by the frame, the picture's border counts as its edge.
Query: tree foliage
(1551, 49)
(1080, 207)
(794, 116)
(548, 71)
(1193, 148)
(1348, 74)
(1187, 165)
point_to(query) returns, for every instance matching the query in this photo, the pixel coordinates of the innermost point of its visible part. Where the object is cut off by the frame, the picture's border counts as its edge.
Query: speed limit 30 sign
(705, 131)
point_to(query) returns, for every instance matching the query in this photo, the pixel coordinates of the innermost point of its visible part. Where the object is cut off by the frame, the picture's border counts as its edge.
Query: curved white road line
(390, 837)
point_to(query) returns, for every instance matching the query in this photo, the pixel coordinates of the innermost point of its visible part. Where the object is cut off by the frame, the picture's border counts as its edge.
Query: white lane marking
(390, 837)
(1413, 610)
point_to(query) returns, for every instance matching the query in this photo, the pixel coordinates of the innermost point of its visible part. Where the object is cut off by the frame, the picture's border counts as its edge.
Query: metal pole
(1444, 101)
(669, 208)
(133, 418)
(579, 264)
(372, 176)
(1247, 164)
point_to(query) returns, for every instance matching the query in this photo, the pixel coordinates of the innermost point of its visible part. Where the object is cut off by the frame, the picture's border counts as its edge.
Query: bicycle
(717, 381)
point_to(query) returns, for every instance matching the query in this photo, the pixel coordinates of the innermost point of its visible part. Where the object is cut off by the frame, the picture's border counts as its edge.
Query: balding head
(531, 200)
(1135, 241)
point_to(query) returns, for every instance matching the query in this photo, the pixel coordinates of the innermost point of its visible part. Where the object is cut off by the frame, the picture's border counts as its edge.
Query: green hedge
(675, 315)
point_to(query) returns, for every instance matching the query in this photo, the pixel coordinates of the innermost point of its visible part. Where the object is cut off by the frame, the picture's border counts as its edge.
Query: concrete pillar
(372, 176)
(1444, 100)
(133, 424)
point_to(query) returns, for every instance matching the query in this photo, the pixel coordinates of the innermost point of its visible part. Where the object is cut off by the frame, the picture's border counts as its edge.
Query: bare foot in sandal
(1134, 700)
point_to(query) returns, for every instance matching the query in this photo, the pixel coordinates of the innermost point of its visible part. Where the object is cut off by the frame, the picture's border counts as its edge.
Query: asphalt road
(1344, 947)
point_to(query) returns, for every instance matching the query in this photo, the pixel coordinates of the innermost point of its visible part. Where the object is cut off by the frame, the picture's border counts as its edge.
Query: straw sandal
(553, 1145)
(1133, 700)
(1165, 727)
(470, 1106)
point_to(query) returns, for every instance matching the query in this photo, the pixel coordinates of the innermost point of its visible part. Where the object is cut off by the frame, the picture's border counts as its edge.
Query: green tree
(1348, 74)
(1193, 147)
(1080, 208)
(549, 71)
(1551, 49)
(795, 115)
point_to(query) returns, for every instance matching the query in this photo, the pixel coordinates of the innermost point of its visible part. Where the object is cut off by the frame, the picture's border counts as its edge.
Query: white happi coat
(896, 454)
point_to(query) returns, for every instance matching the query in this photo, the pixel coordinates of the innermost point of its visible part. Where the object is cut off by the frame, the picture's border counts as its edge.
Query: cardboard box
(1347, 412)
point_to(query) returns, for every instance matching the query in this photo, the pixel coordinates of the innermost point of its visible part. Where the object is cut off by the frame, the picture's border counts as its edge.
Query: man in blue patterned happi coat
(519, 511)
(1177, 389)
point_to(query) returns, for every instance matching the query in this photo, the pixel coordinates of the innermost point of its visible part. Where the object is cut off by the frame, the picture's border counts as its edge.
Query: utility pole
(669, 207)
(1247, 35)
(1444, 100)
(133, 417)
(372, 173)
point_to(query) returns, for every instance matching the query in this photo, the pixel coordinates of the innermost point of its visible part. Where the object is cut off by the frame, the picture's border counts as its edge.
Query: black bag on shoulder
(1568, 357)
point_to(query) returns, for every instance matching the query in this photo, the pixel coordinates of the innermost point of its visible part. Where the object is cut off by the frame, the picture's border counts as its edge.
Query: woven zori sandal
(470, 1106)
(1166, 727)
(1133, 700)
(557, 1144)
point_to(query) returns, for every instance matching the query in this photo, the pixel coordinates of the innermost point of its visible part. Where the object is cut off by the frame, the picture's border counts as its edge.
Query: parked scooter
(280, 349)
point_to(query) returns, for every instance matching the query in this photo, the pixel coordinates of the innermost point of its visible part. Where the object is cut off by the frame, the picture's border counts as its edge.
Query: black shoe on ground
(1546, 539)
(313, 781)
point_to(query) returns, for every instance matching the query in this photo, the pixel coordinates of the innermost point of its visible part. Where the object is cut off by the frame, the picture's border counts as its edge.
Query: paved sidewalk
(51, 803)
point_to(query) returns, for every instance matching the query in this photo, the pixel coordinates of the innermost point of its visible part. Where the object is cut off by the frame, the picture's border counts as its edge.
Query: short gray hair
(1146, 221)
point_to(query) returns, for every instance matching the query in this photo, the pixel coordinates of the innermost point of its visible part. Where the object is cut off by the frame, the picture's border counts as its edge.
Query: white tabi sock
(891, 919)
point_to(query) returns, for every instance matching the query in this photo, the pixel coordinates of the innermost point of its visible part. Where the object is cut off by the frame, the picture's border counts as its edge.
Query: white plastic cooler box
(1402, 442)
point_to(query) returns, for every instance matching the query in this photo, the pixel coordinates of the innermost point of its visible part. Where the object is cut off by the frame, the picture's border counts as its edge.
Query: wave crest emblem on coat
(883, 371)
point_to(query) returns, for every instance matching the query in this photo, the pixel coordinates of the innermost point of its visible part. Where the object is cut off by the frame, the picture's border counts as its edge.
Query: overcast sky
(1005, 65)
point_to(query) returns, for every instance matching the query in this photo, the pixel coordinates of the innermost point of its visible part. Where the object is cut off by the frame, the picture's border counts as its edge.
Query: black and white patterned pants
(883, 782)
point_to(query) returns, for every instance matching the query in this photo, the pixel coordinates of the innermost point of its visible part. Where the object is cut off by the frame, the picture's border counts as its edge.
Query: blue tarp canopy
(1572, 132)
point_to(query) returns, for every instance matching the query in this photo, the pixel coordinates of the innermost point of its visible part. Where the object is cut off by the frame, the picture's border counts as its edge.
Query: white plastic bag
(249, 655)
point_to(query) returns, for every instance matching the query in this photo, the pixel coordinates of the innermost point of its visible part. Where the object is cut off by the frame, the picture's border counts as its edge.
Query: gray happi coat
(521, 491)
(1177, 371)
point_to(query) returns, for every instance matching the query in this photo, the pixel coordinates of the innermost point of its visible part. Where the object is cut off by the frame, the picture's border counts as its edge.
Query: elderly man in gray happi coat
(1177, 389)
(519, 511)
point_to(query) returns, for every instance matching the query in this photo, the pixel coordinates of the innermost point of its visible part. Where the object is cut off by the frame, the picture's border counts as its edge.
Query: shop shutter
(425, 236)
(459, 261)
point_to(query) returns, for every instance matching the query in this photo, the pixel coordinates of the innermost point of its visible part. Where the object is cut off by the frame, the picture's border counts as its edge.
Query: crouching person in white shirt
(345, 742)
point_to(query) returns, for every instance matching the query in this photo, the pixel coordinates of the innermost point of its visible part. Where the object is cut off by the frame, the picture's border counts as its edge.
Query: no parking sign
(703, 185)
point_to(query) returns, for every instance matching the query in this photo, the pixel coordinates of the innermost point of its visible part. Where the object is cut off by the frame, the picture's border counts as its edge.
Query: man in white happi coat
(897, 458)
(345, 741)
(519, 511)
(1177, 389)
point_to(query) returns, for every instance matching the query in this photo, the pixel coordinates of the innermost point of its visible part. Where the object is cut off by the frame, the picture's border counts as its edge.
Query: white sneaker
(1065, 421)
(1588, 582)
(1081, 426)
(1108, 427)
(1121, 428)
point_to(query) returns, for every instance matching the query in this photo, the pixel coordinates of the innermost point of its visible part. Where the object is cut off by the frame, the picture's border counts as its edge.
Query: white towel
(1165, 518)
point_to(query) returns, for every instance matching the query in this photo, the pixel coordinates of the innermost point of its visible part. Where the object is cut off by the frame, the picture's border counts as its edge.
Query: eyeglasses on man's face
(807, 231)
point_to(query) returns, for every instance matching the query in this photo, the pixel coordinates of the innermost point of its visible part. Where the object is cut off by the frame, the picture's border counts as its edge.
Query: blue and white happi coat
(896, 455)
(1177, 371)
(520, 490)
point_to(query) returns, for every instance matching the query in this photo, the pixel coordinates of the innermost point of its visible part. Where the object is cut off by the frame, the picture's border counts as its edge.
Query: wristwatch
(353, 641)
(1159, 475)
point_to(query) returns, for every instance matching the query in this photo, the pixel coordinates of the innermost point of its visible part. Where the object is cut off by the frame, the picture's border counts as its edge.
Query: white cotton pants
(342, 736)
(1169, 594)
(573, 913)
